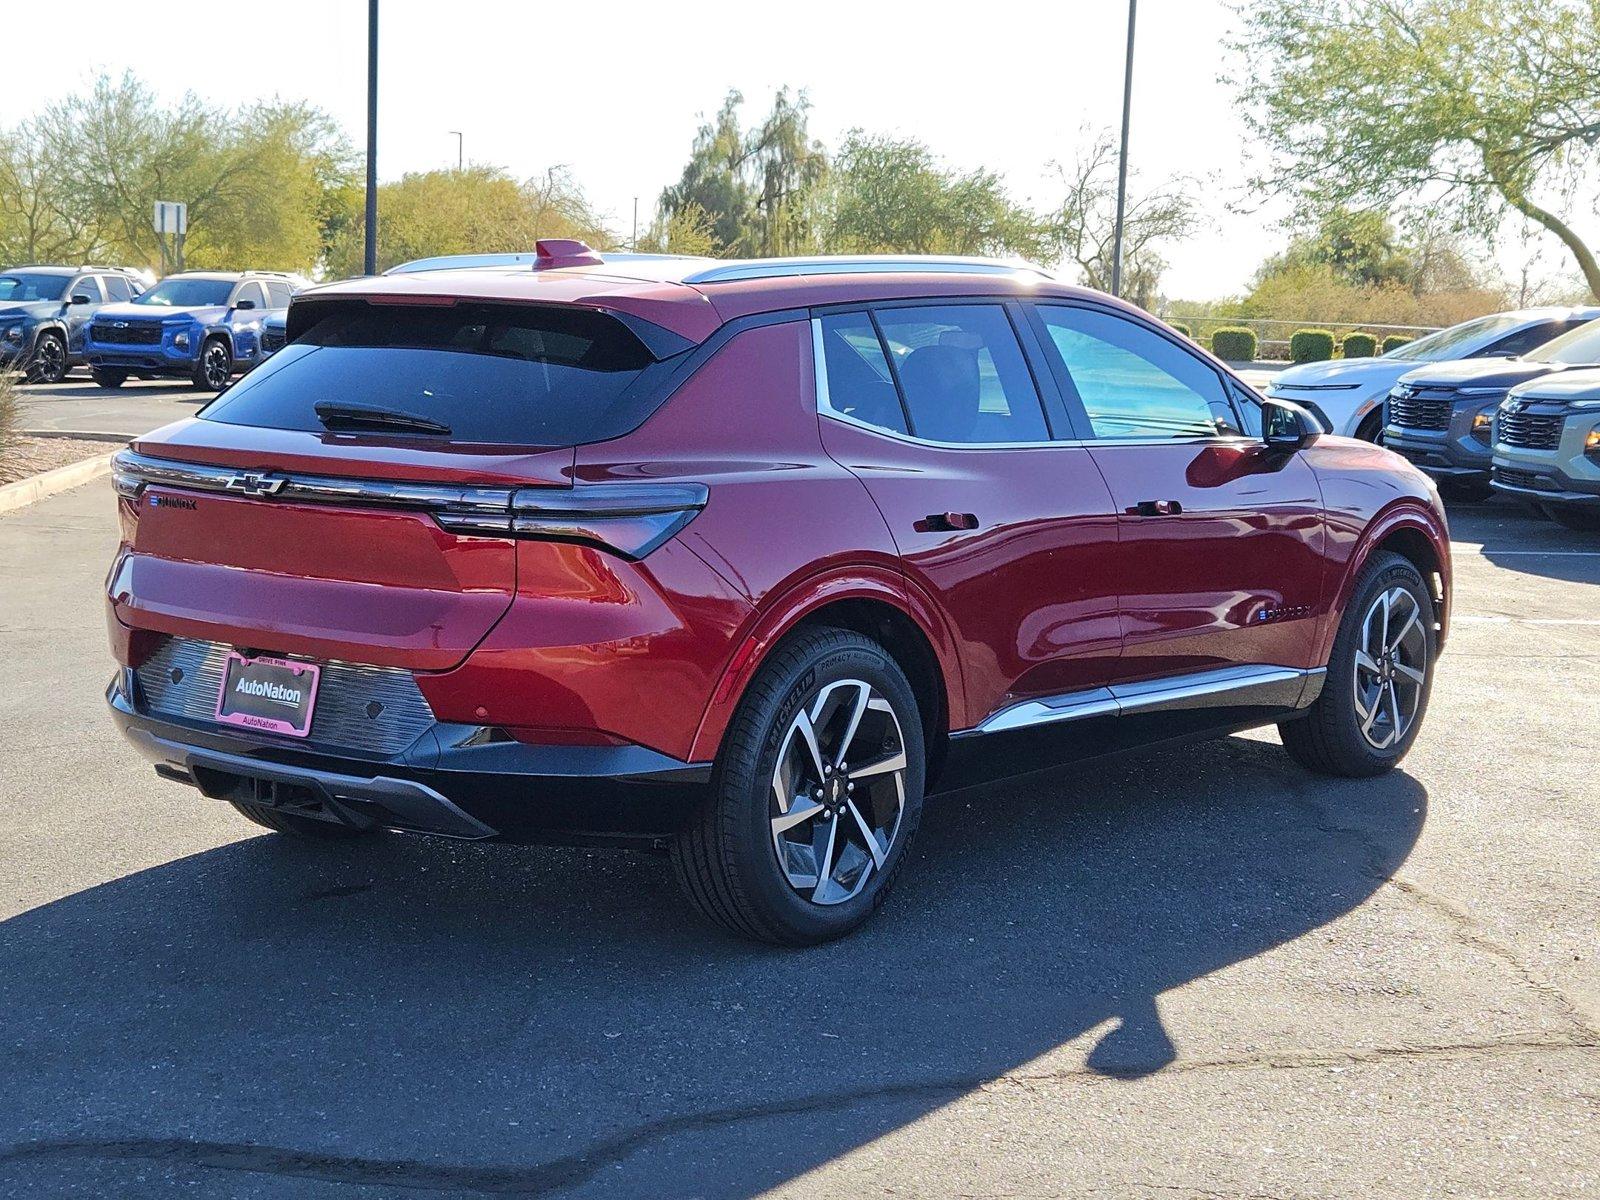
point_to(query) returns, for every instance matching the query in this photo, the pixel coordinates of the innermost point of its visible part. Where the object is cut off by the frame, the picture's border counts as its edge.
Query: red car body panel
(1235, 577)
(1031, 592)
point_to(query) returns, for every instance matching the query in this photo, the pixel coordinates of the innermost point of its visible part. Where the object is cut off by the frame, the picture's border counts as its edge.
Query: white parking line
(1527, 553)
(1472, 618)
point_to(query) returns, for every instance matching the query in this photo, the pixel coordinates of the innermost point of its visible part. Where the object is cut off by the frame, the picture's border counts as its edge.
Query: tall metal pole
(460, 143)
(372, 137)
(1122, 158)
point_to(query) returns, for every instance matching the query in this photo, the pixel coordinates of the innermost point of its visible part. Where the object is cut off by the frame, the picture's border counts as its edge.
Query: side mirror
(1287, 427)
(80, 298)
(245, 304)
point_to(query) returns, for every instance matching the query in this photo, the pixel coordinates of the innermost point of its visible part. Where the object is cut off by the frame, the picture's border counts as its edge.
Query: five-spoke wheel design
(838, 791)
(1391, 667)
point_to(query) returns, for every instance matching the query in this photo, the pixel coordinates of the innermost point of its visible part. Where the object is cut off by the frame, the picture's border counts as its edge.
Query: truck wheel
(49, 361)
(815, 797)
(108, 377)
(297, 826)
(214, 367)
(1379, 675)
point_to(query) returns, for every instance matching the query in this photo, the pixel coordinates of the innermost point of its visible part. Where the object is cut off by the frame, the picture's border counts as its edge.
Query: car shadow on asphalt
(413, 1014)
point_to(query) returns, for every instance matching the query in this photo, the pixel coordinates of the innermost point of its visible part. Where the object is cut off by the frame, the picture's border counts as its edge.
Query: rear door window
(962, 374)
(859, 383)
(118, 289)
(498, 374)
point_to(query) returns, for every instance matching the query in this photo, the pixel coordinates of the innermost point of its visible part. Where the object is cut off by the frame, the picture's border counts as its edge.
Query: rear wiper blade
(359, 416)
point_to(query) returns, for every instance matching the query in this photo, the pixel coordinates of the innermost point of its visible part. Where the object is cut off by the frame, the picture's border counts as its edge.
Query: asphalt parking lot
(1192, 973)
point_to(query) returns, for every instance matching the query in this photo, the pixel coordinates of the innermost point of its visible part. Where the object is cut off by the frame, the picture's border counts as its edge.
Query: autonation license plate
(272, 694)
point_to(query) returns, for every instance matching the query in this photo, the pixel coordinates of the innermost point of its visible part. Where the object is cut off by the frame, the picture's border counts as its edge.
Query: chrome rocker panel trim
(1227, 687)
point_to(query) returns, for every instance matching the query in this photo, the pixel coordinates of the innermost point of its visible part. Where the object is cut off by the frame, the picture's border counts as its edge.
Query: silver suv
(1547, 446)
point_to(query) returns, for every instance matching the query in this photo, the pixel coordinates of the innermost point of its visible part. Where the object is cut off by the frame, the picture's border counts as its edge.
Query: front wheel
(816, 794)
(49, 361)
(1379, 675)
(214, 367)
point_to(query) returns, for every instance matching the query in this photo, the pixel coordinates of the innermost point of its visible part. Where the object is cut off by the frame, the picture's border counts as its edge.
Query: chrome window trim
(1223, 687)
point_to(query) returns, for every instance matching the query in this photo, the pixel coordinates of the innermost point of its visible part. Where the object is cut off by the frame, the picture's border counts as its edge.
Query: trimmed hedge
(1394, 341)
(1180, 327)
(1234, 345)
(1310, 345)
(1359, 345)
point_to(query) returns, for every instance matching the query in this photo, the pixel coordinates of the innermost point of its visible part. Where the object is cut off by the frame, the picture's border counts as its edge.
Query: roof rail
(459, 262)
(865, 264)
(102, 267)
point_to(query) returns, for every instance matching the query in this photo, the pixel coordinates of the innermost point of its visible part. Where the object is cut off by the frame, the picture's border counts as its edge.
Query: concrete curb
(26, 491)
(79, 435)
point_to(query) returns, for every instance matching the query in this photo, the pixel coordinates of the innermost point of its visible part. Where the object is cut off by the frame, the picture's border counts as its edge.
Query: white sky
(617, 95)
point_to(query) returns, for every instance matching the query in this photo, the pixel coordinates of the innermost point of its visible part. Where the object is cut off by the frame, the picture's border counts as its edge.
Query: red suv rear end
(744, 559)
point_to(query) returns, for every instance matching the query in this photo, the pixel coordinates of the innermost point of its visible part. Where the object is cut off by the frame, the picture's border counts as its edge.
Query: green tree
(892, 195)
(1483, 107)
(480, 210)
(757, 188)
(79, 180)
(1084, 227)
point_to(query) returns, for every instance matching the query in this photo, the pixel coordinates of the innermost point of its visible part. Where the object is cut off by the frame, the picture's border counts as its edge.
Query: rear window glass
(491, 373)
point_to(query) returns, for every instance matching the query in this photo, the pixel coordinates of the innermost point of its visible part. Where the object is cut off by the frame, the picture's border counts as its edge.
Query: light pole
(372, 138)
(1122, 159)
(460, 143)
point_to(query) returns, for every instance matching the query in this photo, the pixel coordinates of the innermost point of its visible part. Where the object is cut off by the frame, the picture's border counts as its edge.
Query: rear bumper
(454, 781)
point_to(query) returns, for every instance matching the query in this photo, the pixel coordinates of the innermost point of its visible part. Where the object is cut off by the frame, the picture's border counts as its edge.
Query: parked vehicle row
(204, 326)
(742, 559)
(1497, 404)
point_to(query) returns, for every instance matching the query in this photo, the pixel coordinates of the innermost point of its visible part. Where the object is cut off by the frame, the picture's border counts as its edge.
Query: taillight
(630, 519)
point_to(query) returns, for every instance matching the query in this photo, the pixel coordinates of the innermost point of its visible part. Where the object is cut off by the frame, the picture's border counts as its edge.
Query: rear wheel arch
(867, 604)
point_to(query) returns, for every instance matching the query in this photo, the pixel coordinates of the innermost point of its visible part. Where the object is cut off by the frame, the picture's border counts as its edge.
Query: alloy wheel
(215, 367)
(838, 792)
(49, 363)
(1391, 667)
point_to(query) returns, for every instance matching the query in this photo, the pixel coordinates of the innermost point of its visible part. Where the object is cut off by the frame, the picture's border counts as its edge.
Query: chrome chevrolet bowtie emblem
(119, 324)
(256, 485)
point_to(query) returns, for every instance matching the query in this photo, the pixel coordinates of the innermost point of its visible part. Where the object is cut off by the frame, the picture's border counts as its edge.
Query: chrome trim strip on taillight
(658, 510)
(131, 472)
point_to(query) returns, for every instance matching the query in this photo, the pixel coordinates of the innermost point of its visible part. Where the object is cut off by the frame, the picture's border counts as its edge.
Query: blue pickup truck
(203, 325)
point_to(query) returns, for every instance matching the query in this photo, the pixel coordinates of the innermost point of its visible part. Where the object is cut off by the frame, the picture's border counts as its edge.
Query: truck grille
(1419, 412)
(273, 340)
(1530, 431)
(376, 710)
(130, 335)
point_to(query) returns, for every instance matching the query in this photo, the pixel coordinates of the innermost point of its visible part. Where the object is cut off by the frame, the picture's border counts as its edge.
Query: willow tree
(1477, 108)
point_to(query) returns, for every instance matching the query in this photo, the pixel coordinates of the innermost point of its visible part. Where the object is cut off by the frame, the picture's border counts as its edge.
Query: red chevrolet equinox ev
(742, 560)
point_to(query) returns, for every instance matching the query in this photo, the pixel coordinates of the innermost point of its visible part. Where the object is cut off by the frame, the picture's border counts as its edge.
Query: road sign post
(171, 220)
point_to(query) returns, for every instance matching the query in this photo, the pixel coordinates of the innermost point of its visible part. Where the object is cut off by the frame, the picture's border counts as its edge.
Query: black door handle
(946, 522)
(1156, 508)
